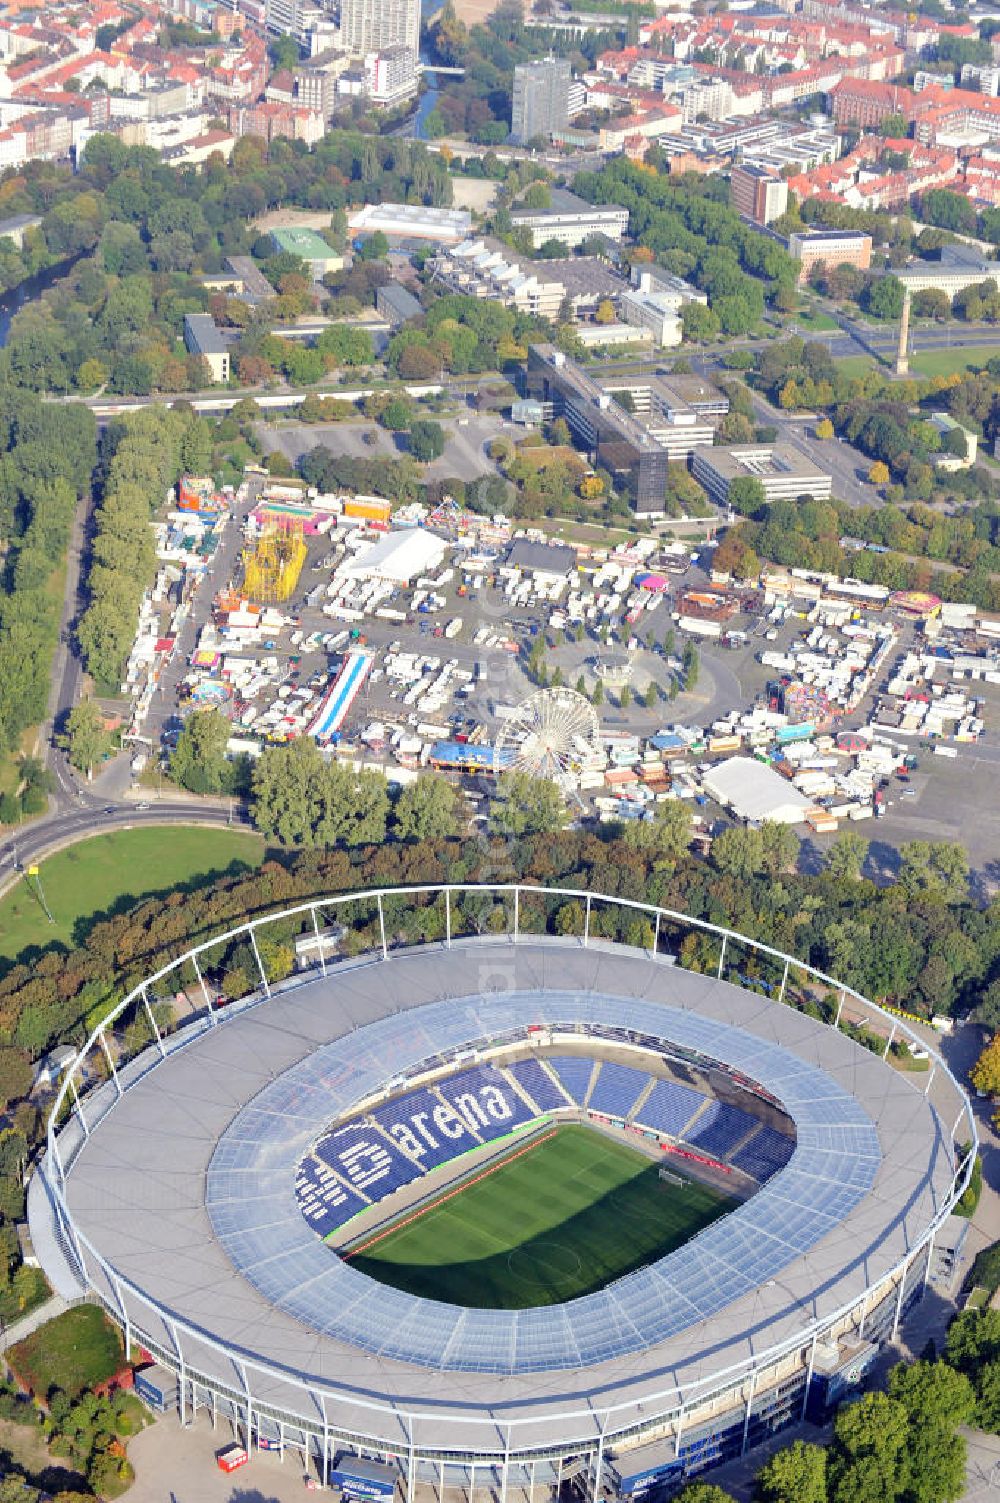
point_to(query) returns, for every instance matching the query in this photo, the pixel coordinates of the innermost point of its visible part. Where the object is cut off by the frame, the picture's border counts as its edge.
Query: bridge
(442, 72)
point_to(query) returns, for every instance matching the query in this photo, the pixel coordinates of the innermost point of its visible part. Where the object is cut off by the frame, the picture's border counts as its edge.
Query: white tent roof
(399, 555)
(756, 792)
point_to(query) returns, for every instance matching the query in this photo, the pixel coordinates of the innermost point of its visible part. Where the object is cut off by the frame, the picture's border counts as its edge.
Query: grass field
(948, 362)
(74, 1351)
(115, 870)
(558, 1220)
(855, 365)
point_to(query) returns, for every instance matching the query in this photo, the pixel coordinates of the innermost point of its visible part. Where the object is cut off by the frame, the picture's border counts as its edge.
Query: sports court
(555, 1220)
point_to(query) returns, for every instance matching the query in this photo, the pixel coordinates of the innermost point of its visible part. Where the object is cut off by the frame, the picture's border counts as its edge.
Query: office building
(784, 472)
(570, 219)
(758, 194)
(376, 25)
(649, 311)
(202, 337)
(830, 248)
(489, 269)
(541, 99)
(620, 443)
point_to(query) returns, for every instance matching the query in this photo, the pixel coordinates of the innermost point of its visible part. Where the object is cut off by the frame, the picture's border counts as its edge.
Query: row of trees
(48, 453)
(142, 455)
(687, 225)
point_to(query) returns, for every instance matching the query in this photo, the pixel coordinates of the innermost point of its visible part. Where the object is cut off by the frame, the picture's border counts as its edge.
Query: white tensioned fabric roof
(871, 1167)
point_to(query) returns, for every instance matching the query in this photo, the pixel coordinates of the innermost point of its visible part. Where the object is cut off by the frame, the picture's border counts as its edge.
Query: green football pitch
(554, 1221)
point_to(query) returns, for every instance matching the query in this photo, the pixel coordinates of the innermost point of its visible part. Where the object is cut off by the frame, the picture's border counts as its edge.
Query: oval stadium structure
(230, 1192)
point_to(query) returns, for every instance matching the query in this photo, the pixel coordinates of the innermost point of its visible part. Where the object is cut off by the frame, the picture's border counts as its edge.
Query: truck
(358, 1477)
(156, 1386)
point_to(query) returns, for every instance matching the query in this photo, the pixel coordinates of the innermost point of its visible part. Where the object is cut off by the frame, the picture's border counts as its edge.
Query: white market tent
(755, 792)
(399, 556)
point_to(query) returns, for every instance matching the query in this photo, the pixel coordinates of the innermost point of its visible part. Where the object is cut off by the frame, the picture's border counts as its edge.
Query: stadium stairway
(642, 1098)
(520, 1089)
(556, 1082)
(387, 1137)
(744, 1142)
(595, 1072)
(450, 1106)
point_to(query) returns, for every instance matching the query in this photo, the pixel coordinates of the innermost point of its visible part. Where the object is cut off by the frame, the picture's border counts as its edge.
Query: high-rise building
(758, 194)
(376, 25)
(541, 98)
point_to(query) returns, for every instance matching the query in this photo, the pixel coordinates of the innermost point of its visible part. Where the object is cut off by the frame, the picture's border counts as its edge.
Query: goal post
(670, 1178)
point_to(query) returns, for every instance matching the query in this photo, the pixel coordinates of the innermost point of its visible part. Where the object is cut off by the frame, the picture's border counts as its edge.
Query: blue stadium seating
(574, 1072)
(414, 1121)
(669, 1107)
(483, 1098)
(720, 1128)
(617, 1089)
(366, 1160)
(766, 1153)
(538, 1084)
(325, 1202)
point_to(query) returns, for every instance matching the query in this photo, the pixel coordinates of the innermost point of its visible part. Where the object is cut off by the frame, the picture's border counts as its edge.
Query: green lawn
(855, 365)
(118, 869)
(562, 1219)
(74, 1351)
(947, 362)
(815, 319)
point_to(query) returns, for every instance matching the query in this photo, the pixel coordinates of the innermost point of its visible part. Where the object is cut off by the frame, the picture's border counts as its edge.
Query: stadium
(526, 1206)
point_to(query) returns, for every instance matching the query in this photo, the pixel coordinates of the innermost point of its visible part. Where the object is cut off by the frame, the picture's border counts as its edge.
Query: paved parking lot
(464, 457)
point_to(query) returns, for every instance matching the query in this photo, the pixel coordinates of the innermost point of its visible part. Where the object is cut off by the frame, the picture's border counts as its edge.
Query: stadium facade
(194, 1188)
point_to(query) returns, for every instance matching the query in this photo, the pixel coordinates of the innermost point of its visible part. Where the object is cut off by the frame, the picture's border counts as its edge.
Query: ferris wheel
(552, 735)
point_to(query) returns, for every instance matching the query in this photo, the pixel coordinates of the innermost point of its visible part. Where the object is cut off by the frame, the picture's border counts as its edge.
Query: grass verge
(109, 871)
(72, 1352)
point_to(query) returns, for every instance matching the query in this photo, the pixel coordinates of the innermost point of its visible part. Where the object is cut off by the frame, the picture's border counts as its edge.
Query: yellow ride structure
(273, 565)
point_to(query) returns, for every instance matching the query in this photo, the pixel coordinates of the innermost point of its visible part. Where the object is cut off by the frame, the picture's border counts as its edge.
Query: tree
(739, 852)
(937, 1400)
(396, 415)
(86, 740)
(937, 869)
(868, 1460)
(665, 837)
(883, 297)
(824, 428)
(703, 1492)
(780, 847)
(796, 1474)
(426, 809)
(985, 1073)
(427, 440)
(605, 312)
(746, 495)
(878, 473)
(299, 799)
(15, 1076)
(846, 857)
(374, 247)
(199, 761)
(525, 805)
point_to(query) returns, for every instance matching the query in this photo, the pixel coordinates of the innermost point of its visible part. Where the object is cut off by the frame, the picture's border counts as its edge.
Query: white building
(657, 314)
(399, 556)
(755, 792)
(376, 25)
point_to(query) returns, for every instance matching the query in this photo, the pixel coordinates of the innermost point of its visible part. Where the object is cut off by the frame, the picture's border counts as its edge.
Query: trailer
(358, 1477)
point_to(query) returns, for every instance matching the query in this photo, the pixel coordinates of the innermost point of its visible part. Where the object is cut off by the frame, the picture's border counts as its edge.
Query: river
(27, 290)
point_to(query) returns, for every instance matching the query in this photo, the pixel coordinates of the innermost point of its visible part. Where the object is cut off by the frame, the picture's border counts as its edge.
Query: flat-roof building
(396, 303)
(540, 98)
(411, 222)
(784, 471)
(489, 269)
(649, 311)
(757, 193)
(570, 219)
(622, 445)
(203, 337)
(830, 248)
(310, 248)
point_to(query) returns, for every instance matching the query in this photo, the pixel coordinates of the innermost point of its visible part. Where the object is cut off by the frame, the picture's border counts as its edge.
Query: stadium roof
(871, 1168)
